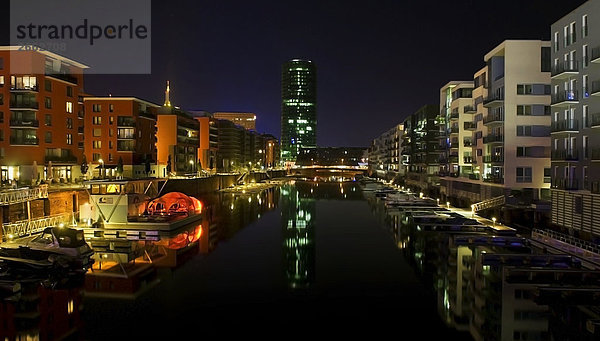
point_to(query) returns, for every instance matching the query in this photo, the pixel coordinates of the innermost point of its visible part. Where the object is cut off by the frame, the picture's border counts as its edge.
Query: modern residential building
(575, 53)
(244, 119)
(385, 154)
(120, 131)
(456, 127)
(507, 127)
(298, 107)
(271, 154)
(40, 116)
(421, 145)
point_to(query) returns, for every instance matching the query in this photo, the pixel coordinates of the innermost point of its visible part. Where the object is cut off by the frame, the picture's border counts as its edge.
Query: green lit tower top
(298, 107)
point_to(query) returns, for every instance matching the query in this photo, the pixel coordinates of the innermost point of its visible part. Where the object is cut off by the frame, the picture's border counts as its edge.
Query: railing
(24, 123)
(469, 108)
(565, 96)
(567, 184)
(493, 138)
(27, 227)
(454, 114)
(494, 179)
(467, 143)
(125, 122)
(492, 98)
(565, 66)
(489, 203)
(561, 241)
(63, 76)
(493, 158)
(23, 195)
(594, 120)
(454, 130)
(24, 141)
(23, 88)
(596, 154)
(493, 117)
(469, 159)
(470, 125)
(565, 154)
(61, 158)
(595, 87)
(24, 105)
(565, 125)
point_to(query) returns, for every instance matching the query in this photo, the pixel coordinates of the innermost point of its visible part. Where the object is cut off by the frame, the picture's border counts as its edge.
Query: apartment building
(507, 126)
(120, 131)
(40, 116)
(244, 119)
(575, 53)
(177, 142)
(208, 148)
(456, 120)
(385, 153)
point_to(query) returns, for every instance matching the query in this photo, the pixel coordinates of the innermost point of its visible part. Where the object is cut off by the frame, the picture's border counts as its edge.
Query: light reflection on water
(314, 254)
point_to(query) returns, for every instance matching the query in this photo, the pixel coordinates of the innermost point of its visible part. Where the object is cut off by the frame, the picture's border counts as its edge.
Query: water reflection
(496, 288)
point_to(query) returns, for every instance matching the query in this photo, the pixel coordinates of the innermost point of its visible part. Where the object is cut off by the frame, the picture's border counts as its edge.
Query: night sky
(377, 61)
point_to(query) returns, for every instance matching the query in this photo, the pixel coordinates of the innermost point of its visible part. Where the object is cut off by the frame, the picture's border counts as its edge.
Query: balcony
(493, 100)
(62, 76)
(61, 158)
(493, 118)
(565, 126)
(594, 120)
(125, 121)
(565, 155)
(595, 56)
(595, 88)
(469, 109)
(80, 130)
(453, 159)
(565, 97)
(565, 69)
(24, 123)
(493, 139)
(469, 159)
(188, 140)
(17, 88)
(595, 154)
(566, 184)
(493, 159)
(454, 130)
(20, 141)
(454, 114)
(470, 125)
(467, 143)
(28, 105)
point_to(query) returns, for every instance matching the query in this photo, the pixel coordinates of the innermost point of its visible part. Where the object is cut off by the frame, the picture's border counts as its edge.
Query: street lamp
(101, 168)
(494, 220)
(448, 204)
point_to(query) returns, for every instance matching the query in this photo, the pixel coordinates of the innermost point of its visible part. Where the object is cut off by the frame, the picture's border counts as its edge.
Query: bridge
(15, 196)
(28, 227)
(327, 171)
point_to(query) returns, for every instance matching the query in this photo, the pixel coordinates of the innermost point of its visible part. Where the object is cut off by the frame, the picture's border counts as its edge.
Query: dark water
(301, 260)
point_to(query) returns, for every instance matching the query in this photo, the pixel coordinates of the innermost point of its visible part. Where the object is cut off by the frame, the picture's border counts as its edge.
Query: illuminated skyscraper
(298, 107)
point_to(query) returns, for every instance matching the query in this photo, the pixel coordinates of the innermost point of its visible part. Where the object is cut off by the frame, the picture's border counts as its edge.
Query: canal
(303, 259)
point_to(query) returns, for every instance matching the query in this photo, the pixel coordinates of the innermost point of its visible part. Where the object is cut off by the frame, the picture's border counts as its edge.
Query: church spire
(167, 101)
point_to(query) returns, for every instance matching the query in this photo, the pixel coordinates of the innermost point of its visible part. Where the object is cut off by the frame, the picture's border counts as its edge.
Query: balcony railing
(566, 96)
(469, 109)
(24, 105)
(467, 143)
(24, 123)
(595, 187)
(493, 117)
(493, 138)
(493, 158)
(31, 141)
(567, 184)
(493, 99)
(61, 158)
(454, 130)
(594, 120)
(454, 115)
(595, 88)
(565, 67)
(125, 122)
(595, 56)
(470, 125)
(62, 76)
(565, 125)
(16, 88)
(565, 155)
(469, 159)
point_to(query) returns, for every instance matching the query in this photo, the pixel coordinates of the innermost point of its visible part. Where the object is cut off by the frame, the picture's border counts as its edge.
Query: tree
(84, 166)
(120, 166)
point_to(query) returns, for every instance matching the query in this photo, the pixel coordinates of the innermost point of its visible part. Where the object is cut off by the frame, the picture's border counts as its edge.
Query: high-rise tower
(298, 107)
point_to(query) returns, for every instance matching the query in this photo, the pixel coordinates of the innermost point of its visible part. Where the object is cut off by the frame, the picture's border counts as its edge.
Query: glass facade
(298, 107)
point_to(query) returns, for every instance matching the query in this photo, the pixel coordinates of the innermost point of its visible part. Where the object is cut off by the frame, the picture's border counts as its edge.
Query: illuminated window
(70, 107)
(70, 307)
(69, 139)
(97, 120)
(69, 123)
(96, 107)
(97, 144)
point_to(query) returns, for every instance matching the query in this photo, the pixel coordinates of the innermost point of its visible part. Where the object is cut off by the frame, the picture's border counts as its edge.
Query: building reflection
(499, 288)
(126, 262)
(298, 213)
(47, 309)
